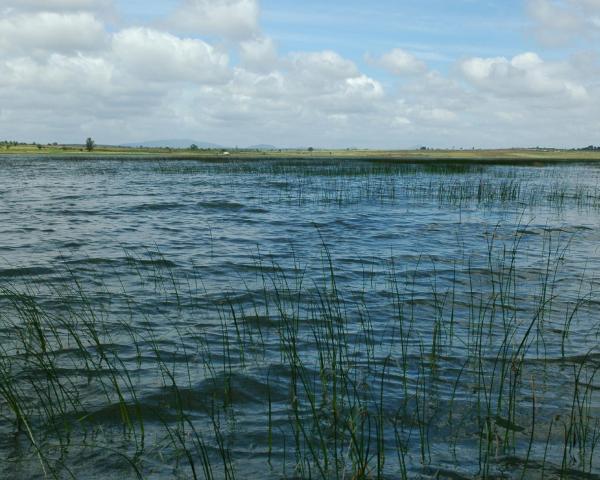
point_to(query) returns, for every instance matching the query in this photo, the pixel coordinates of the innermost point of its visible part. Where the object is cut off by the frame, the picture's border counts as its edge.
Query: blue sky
(439, 30)
(427, 27)
(389, 74)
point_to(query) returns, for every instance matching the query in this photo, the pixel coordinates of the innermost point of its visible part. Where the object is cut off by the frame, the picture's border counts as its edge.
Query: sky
(351, 74)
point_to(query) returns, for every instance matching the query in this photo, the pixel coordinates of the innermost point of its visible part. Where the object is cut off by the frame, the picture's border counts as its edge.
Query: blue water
(428, 277)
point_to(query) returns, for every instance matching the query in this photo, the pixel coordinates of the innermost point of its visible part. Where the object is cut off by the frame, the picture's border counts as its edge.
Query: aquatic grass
(348, 391)
(342, 182)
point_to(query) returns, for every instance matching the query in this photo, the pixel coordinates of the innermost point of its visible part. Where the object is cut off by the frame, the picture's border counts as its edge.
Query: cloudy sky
(387, 73)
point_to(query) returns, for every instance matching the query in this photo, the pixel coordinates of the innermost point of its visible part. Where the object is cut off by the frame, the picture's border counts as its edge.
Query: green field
(499, 155)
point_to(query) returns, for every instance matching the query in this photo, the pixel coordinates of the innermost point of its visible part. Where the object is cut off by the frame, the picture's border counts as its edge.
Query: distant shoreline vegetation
(589, 153)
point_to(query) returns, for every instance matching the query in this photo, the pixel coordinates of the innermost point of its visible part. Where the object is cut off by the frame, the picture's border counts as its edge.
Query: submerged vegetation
(420, 349)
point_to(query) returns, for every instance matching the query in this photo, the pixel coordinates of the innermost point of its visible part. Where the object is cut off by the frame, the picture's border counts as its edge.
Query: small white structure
(226, 153)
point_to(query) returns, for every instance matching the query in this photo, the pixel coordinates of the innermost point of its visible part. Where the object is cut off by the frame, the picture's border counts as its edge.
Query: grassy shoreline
(487, 156)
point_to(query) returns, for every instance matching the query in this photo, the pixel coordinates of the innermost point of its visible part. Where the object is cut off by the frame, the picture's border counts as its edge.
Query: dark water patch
(583, 359)
(220, 205)
(151, 207)
(237, 389)
(25, 272)
(508, 424)
(69, 197)
(261, 321)
(446, 474)
(550, 470)
(77, 213)
(260, 210)
(73, 245)
(154, 262)
(92, 261)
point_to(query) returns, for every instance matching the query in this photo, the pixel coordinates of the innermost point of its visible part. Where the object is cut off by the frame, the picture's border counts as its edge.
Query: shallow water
(298, 319)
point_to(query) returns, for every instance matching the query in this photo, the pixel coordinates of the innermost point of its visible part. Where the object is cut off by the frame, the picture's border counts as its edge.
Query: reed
(302, 376)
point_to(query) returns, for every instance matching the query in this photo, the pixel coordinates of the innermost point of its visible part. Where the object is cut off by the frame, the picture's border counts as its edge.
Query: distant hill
(173, 143)
(262, 146)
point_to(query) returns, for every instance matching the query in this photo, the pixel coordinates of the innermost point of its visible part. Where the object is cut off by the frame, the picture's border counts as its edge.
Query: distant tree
(39, 146)
(194, 147)
(311, 149)
(90, 144)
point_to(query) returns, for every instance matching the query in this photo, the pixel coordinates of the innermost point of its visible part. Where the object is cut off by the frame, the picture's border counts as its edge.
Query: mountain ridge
(187, 143)
(171, 143)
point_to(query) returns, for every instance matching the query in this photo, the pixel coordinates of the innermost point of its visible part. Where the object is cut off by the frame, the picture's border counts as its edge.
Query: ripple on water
(244, 269)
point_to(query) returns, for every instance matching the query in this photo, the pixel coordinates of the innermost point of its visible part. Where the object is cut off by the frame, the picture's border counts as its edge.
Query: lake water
(298, 319)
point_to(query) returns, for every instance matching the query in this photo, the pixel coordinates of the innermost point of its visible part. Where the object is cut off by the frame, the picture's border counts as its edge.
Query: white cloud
(523, 75)
(557, 23)
(321, 69)
(400, 62)
(259, 54)
(64, 75)
(356, 95)
(314, 82)
(58, 74)
(437, 115)
(100, 7)
(233, 19)
(158, 56)
(51, 32)
(400, 122)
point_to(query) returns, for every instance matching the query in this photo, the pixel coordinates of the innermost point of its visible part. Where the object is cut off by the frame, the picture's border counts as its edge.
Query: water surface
(314, 318)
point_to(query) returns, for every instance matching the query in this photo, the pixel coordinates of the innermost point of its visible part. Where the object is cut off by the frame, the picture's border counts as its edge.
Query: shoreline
(510, 156)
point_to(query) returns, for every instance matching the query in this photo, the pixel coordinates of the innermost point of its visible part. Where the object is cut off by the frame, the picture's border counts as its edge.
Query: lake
(310, 318)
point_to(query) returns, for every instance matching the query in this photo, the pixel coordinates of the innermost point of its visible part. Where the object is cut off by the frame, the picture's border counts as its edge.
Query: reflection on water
(181, 319)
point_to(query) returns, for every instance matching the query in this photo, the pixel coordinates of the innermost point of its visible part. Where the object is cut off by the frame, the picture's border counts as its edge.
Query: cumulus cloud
(11, 6)
(557, 23)
(58, 75)
(321, 69)
(353, 95)
(523, 75)
(400, 62)
(233, 19)
(314, 82)
(259, 54)
(51, 32)
(437, 115)
(214, 75)
(158, 56)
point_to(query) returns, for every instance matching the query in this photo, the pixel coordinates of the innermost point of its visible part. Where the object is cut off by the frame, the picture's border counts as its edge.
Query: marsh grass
(342, 182)
(481, 369)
